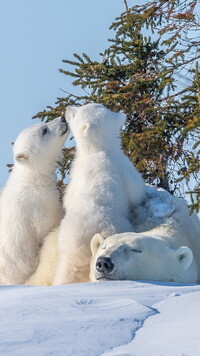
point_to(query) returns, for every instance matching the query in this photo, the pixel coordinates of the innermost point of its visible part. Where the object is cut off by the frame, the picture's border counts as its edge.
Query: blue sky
(35, 36)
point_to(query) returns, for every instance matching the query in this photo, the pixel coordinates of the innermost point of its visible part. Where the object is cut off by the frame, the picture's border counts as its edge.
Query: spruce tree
(192, 129)
(139, 73)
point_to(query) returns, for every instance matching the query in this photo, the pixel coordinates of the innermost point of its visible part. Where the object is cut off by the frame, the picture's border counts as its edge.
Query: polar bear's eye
(134, 250)
(44, 131)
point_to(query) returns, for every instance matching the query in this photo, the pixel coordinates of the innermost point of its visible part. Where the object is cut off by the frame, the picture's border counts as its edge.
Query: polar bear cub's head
(39, 146)
(135, 256)
(94, 124)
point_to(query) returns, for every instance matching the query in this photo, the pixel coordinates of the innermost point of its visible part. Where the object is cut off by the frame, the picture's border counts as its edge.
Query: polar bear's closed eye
(136, 250)
(151, 258)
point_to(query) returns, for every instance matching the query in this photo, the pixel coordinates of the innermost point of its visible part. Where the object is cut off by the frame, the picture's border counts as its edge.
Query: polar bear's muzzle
(104, 267)
(63, 125)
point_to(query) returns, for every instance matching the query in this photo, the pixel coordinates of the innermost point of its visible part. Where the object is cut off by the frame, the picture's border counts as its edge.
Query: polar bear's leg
(71, 270)
(48, 258)
(73, 251)
(73, 265)
(64, 272)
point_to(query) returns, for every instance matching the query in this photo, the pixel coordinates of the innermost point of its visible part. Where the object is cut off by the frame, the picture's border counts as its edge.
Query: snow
(107, 318)
(159, 201)
(155, 210)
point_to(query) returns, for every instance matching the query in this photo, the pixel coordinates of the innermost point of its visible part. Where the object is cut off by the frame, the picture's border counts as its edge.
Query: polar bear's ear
(184, 256)
(20, 157)
(96, 241)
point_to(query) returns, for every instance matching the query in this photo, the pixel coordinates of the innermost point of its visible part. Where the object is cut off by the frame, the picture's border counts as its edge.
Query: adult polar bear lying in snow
(30, 206)
(167, 225)
(157, 254)
(103, 184)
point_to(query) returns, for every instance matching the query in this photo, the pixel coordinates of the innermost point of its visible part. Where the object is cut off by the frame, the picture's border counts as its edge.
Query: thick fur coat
(168, 252)
(30, 205)
(167, 235)
(103, 185)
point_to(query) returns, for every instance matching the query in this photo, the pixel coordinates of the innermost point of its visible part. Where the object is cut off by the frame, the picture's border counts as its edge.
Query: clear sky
(35, 36)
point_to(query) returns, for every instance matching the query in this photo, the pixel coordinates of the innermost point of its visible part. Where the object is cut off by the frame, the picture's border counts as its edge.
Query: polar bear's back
(95, 184)
(168, 217)
(187, 226)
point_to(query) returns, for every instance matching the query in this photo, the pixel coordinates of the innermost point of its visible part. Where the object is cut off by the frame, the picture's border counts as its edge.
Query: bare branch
(126, 5)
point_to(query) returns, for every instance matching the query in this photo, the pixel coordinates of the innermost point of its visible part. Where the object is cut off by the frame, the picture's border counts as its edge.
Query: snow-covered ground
(108, 318)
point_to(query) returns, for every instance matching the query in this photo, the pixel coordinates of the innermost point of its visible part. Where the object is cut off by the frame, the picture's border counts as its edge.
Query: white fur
(137, 256)
(30, 206)
(103, 185)
(170, 252)
(175, 223)
(48, 259)
(171, 221)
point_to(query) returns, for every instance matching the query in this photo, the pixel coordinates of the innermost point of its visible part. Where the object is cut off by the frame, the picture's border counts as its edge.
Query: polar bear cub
(102, 186)
(135, 256)
(30, 205)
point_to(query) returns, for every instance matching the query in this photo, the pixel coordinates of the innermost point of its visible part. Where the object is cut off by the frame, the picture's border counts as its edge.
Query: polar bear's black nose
(63, 118)
(104, 265)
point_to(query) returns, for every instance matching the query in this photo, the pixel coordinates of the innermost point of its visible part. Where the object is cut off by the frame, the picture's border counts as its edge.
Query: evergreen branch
(138, 76)
(70, 94)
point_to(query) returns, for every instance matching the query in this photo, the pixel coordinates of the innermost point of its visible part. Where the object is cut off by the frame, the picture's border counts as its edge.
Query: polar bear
(30, 205)
(174, 232)
(167, 217)
(103, 184)
(47, 261)
(135, 256)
